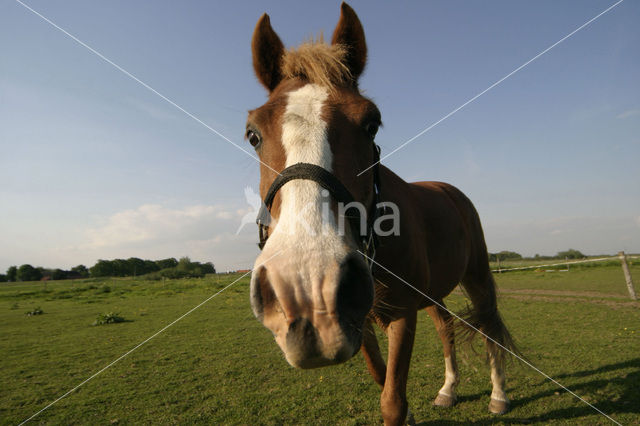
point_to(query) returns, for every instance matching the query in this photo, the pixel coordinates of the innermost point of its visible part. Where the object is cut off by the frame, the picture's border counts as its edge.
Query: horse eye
(253, 137)
(372, 129)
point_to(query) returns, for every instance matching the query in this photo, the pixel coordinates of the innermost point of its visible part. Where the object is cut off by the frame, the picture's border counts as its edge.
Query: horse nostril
(262, 295)
(302, 340)
(355, 290)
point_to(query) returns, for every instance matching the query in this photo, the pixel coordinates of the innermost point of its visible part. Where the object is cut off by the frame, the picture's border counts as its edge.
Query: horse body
(441, 245)
(437, 235)
(311, 286)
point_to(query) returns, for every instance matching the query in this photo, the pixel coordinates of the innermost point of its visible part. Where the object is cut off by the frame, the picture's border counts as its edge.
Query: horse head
(310, 285)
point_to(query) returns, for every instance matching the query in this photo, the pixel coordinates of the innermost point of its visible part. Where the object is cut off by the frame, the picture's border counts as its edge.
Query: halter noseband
(337, 190)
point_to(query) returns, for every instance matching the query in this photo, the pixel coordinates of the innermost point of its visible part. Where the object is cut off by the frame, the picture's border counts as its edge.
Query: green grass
(605, 280)
(219, 365)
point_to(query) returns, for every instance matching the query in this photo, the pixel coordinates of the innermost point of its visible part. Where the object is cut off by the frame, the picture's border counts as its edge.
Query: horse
(319, 284)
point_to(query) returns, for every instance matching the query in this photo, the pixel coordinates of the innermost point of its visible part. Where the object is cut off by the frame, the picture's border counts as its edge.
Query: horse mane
(318, 63)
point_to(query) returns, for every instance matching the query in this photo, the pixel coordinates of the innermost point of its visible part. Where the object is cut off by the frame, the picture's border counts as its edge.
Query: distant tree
(184, 264)
(45, 272)
(81, 271)
(570, 254)
(208, 268)
(28, 273)
(541, 257)
(510, 255)
(135, 266)
(150, 266)
(120, 268)
(504, 255)
(167, 263)
(3, 278)
(59, 274)
(102, 268)
(12, 273)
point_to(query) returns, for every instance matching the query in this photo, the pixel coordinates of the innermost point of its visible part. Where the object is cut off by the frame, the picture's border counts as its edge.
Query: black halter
(337, 190)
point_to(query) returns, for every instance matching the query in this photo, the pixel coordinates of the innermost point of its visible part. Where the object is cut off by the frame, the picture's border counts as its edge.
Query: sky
(93, 165)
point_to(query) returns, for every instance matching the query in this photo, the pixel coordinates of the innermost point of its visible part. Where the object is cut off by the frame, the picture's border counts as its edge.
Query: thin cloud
(158, 112)
(152, 223)
(628, 113)
(152, 231)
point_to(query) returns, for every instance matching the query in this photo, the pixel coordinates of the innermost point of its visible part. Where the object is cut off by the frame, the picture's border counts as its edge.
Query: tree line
(173, 268)
(512, 255)
(153, 269)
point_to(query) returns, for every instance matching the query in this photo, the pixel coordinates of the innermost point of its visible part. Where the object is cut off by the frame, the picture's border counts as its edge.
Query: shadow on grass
(627, 401)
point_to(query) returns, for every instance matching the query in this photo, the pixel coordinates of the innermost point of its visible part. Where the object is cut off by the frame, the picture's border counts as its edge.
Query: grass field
(219, 365)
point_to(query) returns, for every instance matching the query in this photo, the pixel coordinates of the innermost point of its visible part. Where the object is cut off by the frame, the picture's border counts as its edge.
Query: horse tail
(478, 283)
(483, 316)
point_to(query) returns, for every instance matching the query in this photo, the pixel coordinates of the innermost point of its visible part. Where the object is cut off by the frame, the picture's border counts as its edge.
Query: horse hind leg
(499, 403)
(442, 319)
(484, 317)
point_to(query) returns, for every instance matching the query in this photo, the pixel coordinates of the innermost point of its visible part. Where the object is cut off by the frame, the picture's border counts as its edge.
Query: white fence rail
(621, 257)
(600, 259)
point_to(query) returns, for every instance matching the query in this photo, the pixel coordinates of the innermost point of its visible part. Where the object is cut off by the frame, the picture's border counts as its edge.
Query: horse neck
(393, 188)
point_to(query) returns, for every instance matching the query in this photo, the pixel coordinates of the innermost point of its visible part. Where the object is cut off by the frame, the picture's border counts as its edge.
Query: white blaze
(304, 138)
(304, 133)
(310, 237)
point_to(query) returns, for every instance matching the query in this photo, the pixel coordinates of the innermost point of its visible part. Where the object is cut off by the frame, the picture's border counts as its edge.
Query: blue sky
(93, 165)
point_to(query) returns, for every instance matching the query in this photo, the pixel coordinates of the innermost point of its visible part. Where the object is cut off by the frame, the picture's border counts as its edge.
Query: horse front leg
(393, 400)
(371, 352)
(442, 320)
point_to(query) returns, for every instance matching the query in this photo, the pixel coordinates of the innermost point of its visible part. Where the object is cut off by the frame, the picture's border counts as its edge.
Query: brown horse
(311, 285)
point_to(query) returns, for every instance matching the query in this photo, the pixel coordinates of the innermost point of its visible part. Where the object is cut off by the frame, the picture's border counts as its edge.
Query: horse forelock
(318, 63)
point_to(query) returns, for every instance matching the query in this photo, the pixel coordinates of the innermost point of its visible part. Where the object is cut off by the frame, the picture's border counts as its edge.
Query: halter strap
(338, 191)
(307, 171)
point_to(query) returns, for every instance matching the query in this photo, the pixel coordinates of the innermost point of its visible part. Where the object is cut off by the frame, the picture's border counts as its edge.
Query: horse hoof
(411, 421)
(497, 406)
(444, 401)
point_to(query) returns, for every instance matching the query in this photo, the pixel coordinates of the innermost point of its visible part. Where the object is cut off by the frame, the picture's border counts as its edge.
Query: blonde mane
(317, 62)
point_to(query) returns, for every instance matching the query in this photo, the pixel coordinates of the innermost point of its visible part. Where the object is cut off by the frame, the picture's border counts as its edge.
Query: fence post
(627, 275)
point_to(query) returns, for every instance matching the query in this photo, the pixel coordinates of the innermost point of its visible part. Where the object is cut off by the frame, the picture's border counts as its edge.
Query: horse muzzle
(315, 325)
(304, 347)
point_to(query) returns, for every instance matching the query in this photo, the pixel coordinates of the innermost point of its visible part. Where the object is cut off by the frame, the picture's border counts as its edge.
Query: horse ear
(267, 51)
(349, 33)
